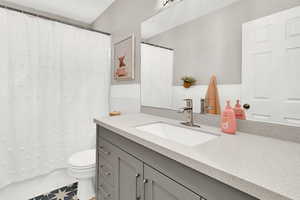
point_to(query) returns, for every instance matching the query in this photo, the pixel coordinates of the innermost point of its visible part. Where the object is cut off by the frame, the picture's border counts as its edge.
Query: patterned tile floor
(65, 193)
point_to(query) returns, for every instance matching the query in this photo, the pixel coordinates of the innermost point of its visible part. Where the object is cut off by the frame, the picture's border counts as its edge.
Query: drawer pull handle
(137, 191)
(101, 149)
(107, 174)
(106, 195)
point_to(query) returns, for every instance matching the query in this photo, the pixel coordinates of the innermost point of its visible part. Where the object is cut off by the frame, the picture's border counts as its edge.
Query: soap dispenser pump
(228, 120)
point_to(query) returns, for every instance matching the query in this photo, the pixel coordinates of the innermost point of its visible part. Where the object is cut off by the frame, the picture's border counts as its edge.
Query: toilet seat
(83, 160)
(79, 169)
(83, 164)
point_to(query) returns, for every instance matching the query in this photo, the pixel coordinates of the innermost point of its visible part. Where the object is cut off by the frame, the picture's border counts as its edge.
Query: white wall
(125, 98)
(122, 19)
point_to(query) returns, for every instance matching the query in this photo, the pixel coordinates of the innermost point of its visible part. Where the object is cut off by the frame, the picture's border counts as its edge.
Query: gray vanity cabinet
(160, 187)
(123, 177)
(129, 171)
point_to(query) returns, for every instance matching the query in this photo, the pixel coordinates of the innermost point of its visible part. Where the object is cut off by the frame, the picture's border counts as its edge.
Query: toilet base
(86, 190)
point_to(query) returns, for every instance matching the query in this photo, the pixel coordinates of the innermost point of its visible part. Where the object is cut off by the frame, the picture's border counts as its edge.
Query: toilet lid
(83, 159)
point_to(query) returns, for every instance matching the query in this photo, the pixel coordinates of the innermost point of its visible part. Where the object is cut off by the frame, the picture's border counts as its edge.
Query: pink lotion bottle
(239, 111)
(228, 120)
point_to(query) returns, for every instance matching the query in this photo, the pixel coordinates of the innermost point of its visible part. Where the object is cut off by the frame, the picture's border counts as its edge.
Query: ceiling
(180, 13)
(85, 11)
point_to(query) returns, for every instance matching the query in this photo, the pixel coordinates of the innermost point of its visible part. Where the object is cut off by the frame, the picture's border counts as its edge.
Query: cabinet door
(160, 187)
(129, 177)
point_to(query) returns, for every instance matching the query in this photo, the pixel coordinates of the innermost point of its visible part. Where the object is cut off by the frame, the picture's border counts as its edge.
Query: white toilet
(82, 166)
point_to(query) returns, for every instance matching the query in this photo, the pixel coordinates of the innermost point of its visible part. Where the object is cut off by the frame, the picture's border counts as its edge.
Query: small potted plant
(188, 81)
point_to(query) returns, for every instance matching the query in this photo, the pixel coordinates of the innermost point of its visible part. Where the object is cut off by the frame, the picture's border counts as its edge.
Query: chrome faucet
(203, 107)
(189, 113)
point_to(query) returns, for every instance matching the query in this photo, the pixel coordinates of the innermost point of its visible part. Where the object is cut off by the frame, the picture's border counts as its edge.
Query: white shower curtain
(54, 79)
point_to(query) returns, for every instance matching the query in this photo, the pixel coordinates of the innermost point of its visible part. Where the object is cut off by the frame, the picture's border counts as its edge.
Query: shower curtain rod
(52, 19)
(155, 45)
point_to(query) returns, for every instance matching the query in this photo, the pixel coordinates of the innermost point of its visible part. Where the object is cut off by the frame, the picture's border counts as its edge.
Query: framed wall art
(124, 59)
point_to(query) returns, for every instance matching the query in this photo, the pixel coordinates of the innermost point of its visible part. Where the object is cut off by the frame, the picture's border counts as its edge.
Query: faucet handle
(189, 103)
(181, 110)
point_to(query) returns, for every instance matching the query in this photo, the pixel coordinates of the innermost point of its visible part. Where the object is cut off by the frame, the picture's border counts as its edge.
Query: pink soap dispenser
(228, 120)
(239, 111)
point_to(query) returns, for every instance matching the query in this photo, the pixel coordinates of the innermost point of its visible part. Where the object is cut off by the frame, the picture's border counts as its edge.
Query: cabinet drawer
(106, 150)
(105, 192)
(106, 171)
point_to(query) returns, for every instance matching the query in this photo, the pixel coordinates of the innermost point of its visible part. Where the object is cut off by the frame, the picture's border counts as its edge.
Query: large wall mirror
(250, 48)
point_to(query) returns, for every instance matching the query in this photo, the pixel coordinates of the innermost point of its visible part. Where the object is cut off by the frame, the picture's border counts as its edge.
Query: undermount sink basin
(181, 135)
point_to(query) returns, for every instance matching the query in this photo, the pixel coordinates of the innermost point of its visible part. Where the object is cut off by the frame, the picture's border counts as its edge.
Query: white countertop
(266, 168)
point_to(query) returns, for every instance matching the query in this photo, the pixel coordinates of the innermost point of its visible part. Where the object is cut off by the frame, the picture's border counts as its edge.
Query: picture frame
(124, 59)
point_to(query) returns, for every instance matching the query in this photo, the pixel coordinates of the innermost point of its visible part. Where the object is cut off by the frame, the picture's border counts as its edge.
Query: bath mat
(65, 193)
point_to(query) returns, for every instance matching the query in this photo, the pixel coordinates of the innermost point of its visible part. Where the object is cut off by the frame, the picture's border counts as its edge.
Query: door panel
(160, 187)
(129, 178)
(271, 60)
(291, 67)
(258, 67)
